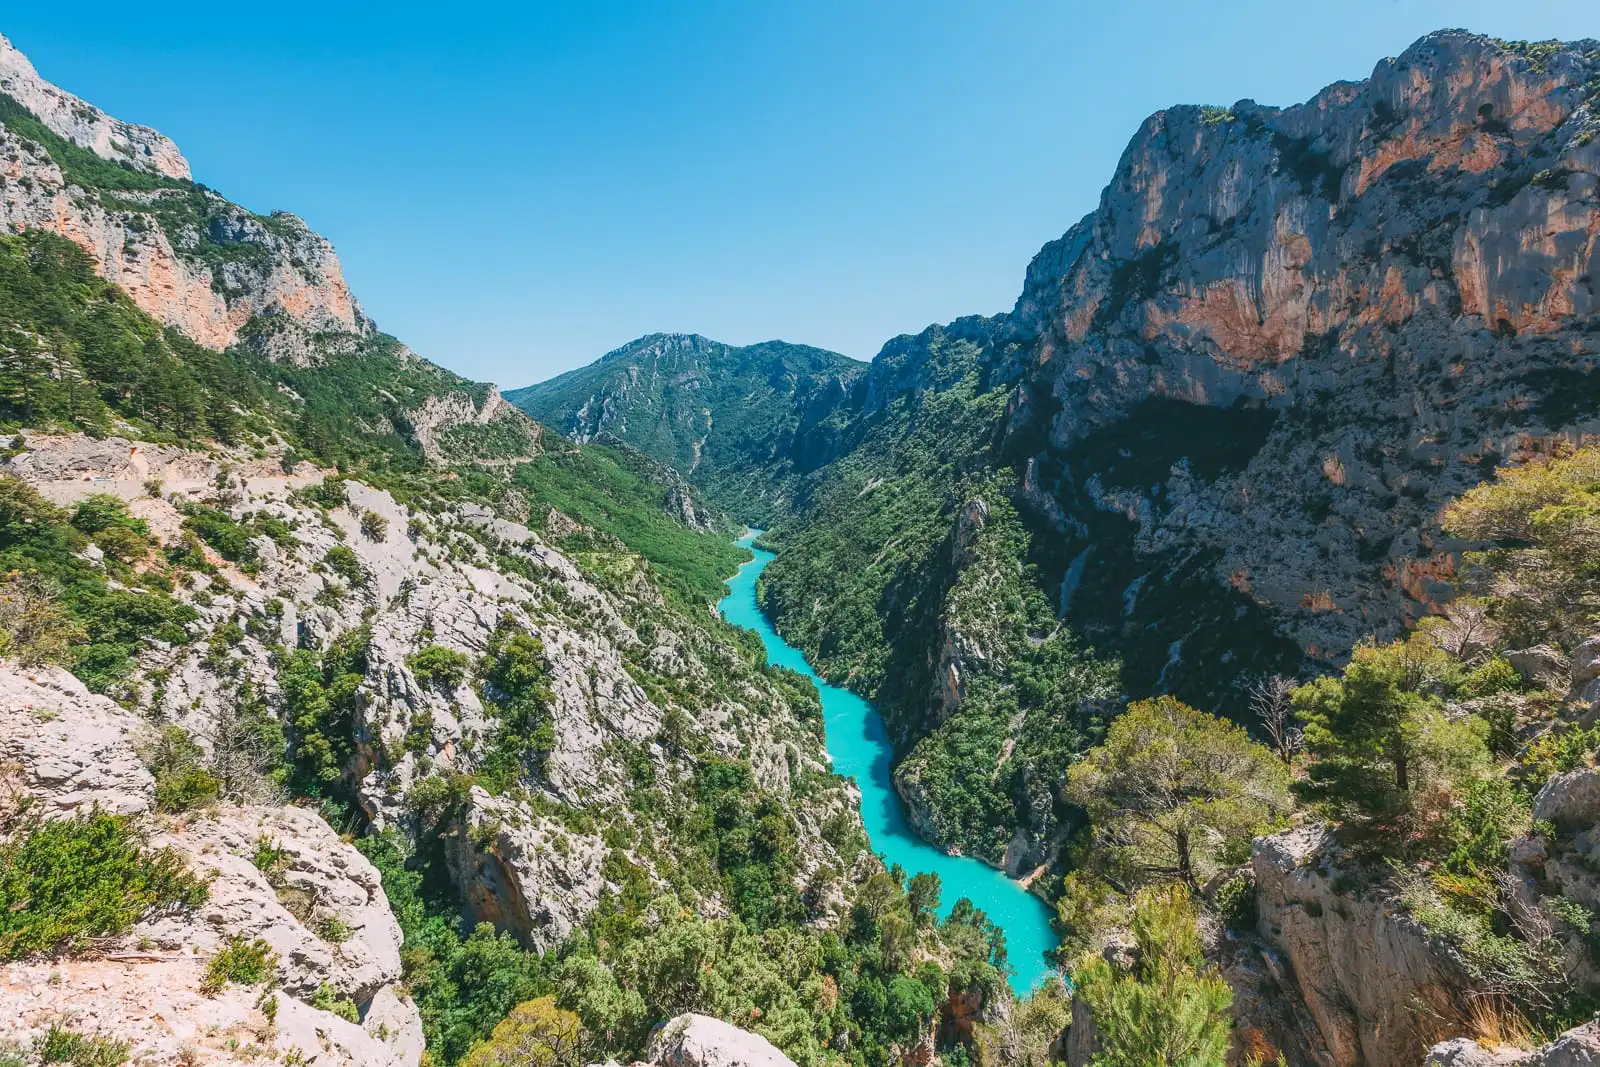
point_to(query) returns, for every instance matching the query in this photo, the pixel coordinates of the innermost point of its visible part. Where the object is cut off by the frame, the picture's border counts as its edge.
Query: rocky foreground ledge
(67, 751)
(70, 752)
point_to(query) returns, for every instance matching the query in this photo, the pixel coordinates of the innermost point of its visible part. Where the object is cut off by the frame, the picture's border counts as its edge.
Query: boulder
(692, 1040)
(1578, 1047)
(321, 907)
(1586, 661)
(1542, 665)
(69, 748)
(1570, 799)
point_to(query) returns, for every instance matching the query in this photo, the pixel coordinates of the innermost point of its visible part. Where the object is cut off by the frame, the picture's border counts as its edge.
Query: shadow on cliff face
(1176, 628)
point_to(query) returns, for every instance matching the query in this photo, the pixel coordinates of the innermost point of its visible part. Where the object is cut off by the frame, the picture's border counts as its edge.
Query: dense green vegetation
(726, 418)
(75, 353)
(319, 706)
(64, 882)
(57, 605)
(1169, 1008)
(514, 691)
(875, 981)
(1423, 755)
(1174, 791)
(913, 537)
(359, 398)
(611, 492)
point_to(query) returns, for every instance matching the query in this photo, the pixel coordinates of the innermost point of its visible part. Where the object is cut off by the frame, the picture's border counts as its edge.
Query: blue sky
(516, 189)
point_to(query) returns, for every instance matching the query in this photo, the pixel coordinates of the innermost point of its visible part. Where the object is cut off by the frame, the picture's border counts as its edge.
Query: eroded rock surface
(1377, 988)
(322, 911)
(700, 1041)
(1575, 1048)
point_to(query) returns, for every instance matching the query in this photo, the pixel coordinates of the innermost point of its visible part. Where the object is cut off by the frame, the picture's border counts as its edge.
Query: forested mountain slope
(269, 579)
(739, 423)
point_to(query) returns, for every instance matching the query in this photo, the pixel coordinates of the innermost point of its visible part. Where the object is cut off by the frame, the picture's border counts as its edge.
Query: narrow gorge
(1197, 664)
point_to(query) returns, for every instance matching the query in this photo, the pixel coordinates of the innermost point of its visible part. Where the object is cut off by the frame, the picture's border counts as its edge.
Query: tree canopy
(1172, 788)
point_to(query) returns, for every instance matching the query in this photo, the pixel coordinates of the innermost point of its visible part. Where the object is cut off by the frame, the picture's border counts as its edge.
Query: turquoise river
(859, 747)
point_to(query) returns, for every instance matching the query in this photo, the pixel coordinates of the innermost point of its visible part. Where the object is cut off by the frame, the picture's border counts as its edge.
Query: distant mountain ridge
(727, 417)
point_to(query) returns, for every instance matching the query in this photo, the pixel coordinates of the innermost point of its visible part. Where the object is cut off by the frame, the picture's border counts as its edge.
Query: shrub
(374, 527)
(514, 687)
(122, 544)
(189, 788)
(268, 858)
(1561, 749)
(342, 560)
(536, 1033)
(34, 627)
(182, 782)
(334, 930)
(1539, 573)
(1495, 676)
(102, 511)
(243, 961)
(1379, 732)
(319, 696)
(1236, 903)
(1531, 973)
(1172, 785)
(65, 881)
(232, 540)
(325, 494)
(327, 998)
(60, 1045)
(437, 665)
(1489, 814)
(1171, 1009)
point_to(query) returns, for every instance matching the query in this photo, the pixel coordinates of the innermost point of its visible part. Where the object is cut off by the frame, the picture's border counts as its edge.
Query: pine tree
(1170, 1010)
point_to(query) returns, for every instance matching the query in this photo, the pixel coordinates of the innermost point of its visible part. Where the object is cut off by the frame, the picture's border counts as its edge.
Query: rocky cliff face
(69, 752)
(1365, 302)
(85, 125)
(186, 255)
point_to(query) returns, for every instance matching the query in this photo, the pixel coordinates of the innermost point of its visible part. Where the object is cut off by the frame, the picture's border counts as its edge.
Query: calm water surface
(859, 746)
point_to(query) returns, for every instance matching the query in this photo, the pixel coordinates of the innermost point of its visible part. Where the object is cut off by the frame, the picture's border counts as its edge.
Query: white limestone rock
(691, 1040)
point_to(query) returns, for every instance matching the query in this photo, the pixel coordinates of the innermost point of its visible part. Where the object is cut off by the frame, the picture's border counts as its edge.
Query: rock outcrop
(184, 254)
(321, 909)
(1575, 1048)
(69, 750)
(1379, 990)
(700, 1041)
(84, 124)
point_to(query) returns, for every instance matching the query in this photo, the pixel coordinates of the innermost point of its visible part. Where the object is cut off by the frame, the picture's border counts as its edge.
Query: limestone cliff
(1311, 326)
(85, 125)
(185, 254)
(70, 752)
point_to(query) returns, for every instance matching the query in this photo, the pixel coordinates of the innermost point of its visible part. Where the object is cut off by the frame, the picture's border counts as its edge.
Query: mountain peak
(84, 124)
